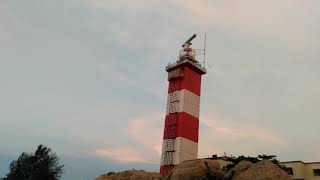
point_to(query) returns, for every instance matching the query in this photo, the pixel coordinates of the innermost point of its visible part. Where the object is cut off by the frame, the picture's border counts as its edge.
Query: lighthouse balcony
(193, 63)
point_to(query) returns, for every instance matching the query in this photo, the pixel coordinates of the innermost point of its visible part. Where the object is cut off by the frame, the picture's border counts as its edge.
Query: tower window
(316, 172)
(289, 171)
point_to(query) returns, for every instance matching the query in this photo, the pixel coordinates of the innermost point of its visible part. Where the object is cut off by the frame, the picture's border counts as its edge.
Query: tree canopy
(236, 160)
(43, 164)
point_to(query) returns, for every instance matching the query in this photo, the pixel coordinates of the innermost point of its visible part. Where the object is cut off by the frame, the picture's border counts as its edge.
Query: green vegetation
(108, 174)
(43, 164)
(236, 160)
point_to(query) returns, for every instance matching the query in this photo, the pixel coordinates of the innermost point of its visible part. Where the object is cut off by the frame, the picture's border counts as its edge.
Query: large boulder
(237, 169)
(263, 170)
(132, 175)
(199, 169)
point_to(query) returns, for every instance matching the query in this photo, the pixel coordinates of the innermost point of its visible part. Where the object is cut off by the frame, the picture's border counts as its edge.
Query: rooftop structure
(300, 170)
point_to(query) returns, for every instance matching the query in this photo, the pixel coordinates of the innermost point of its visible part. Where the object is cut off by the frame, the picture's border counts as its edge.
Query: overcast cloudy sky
(87, 78)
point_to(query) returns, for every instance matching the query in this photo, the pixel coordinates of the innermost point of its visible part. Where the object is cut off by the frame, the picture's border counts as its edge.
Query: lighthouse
(181, 126)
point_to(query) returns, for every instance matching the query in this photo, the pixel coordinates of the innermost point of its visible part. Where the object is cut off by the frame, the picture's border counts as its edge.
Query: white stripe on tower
(183, 101)
(176, 157)
(179, 149)
(180, 144)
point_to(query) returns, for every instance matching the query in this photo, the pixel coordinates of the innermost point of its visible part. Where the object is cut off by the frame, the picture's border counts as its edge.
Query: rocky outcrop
(201, 169)
(196, 170)
(263, 170)
(132, 175)
(237, 169)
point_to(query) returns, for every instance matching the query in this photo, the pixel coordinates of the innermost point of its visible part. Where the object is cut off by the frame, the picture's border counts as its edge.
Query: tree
(108, 174)
(266, 157)
(235, 160)
(43, 164)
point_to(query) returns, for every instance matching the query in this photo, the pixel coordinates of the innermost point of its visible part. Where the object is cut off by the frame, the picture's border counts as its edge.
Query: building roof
(300, 162)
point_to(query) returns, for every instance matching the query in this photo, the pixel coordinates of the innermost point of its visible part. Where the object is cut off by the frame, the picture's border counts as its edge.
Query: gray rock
(200, 169)
(237, 169)
(132, 175)
(263, 170)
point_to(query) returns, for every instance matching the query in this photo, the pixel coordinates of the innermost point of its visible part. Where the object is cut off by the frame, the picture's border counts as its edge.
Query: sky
(87, 78)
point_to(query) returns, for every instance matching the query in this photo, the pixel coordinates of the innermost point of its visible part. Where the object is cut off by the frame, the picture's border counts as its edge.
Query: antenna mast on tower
(204, 49)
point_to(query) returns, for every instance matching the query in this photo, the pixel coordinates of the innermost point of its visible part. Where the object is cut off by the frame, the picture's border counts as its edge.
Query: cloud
(77, 82)
(122, 155)
(250, 19)
(158, 90)
(276, 20)
(242, 131)
(218, 136)
(132, 5)
(145, 133)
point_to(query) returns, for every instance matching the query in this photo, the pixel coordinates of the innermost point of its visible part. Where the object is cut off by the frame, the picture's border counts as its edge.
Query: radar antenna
(188, 42)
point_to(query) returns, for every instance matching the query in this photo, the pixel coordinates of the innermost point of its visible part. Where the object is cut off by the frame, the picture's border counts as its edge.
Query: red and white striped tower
(180, 137)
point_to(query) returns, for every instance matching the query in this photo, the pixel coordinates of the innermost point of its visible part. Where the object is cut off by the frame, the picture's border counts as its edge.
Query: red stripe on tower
(181, 129)
(181, 125)
(185, 77)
